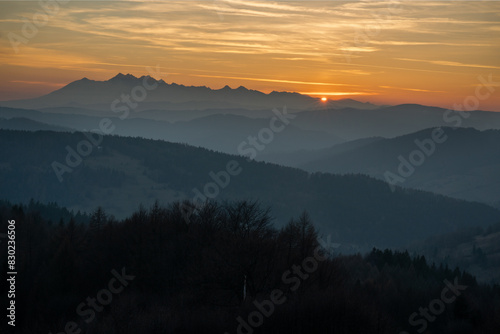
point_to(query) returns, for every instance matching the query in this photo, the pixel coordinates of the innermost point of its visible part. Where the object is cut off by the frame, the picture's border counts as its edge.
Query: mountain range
(344, 136)
(146, 98)
(150, 94)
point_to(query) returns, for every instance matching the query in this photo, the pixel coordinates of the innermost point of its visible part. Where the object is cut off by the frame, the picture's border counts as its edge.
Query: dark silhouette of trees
(189, 277)
(98, 219)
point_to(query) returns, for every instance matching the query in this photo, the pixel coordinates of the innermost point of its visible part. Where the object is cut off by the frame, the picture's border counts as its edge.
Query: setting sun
(393, 57)
(348, 148)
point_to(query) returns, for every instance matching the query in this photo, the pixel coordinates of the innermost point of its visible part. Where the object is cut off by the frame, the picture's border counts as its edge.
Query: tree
(98, 219)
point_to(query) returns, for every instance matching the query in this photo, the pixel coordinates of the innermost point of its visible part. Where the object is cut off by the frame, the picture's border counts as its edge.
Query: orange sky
(384, 52)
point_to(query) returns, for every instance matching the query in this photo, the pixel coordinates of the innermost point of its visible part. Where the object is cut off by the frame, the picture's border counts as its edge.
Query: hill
(475, 249)
(393, 121)
(220, 132)
(26, 124)
(465, 165)
(120, 172)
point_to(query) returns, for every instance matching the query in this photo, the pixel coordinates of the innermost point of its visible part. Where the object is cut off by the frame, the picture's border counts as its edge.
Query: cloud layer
(390, 52)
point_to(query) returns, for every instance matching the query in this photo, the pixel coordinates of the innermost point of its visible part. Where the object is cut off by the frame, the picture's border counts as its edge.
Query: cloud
(413, 89)
(413, 43)
(299, 44)
(449, 63)
(337, 93)
(43, 83)
(358, 49)
(271, 80)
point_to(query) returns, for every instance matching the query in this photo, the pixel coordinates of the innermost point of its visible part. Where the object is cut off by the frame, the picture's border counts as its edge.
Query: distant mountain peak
(348, 100)
(275, 92)
(123, 77)
(78, 83)
(172, 95)
(150, 79)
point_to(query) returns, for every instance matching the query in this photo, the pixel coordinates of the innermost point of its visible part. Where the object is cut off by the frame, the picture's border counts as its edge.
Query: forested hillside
(153, 273)
(463, 163)
(474, 249)
(120, 173)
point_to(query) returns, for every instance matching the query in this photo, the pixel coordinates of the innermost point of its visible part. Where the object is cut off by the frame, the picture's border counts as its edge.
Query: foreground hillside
(122, 172)
(227, 271)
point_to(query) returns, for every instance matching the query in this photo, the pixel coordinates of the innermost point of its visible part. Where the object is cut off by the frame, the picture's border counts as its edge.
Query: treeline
(473, 249)
(227, 269)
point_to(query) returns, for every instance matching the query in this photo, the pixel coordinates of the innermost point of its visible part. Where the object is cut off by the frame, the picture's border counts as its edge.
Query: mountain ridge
(463, 166)
(81, 92)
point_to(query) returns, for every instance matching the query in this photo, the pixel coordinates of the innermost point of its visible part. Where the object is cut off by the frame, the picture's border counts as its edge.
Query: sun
(324, 99)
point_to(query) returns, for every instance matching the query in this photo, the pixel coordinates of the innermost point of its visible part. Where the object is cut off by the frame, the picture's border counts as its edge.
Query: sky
(391, 52)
